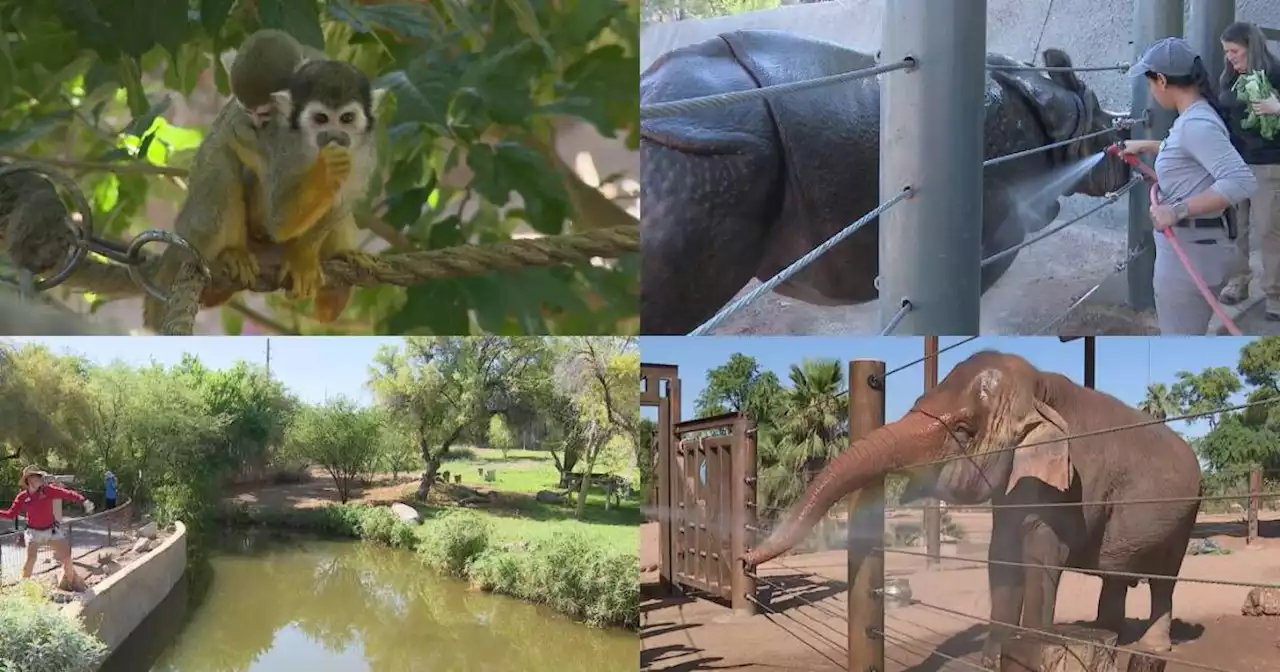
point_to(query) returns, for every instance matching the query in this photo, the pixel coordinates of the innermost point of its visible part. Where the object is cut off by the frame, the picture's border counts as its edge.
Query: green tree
(499, 436)
(467, 145)
(1205, 391)
(606, 373)
(340, 437)
(443, 387)
(1160, 402)
(739, 385)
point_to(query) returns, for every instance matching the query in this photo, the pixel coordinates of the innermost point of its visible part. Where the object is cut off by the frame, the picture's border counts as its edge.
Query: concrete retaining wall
(117, 605)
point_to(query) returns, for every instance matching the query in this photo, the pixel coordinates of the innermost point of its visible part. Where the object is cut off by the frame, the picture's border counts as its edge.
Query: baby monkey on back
(284, 162)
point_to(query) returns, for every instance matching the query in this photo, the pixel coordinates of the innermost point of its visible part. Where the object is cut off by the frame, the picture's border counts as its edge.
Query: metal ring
(158, 236)
(81, 230)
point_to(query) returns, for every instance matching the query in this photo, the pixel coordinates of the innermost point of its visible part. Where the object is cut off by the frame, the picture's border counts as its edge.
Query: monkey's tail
(153, 309)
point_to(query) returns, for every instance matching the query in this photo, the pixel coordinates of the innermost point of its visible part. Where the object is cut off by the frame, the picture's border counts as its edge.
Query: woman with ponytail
(1201, 176)
(1245, 49)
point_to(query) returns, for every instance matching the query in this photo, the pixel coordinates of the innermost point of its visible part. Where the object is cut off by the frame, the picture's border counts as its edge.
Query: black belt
(1220, 222)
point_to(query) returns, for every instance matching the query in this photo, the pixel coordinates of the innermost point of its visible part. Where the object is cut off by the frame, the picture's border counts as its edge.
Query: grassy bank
(572, 567)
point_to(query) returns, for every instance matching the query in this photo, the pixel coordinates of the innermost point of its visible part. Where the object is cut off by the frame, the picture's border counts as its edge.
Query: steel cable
(799, 264)
(926, 358)
(1099, 432)
(1044, 148)
(1068, 638)
(1154, 500)
(817, 634)
(676, 108)
(1080, 570)
(897, 317)
(1118, 67)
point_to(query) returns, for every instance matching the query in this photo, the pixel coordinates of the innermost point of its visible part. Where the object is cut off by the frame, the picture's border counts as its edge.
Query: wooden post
(743, 514)
(866, 527)
(1255, 489)
(1141, 663)
(932, 514)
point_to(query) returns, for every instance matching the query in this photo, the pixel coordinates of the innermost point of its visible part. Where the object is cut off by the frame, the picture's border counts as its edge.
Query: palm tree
(810, 432)
(1160, 402)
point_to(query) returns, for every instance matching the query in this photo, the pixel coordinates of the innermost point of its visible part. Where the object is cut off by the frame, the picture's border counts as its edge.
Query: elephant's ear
(1055, 99)
(1042, 454)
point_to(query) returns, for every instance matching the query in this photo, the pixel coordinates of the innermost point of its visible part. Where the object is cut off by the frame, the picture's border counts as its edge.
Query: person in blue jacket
(110, 481)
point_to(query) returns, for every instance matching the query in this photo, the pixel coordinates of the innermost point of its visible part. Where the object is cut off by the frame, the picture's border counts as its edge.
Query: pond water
(281, 603)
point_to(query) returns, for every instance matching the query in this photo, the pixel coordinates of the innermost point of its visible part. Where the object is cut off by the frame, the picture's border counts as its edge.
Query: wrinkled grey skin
(743, 190)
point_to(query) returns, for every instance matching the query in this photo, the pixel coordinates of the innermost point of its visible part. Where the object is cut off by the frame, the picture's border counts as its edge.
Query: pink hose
(1201, 285)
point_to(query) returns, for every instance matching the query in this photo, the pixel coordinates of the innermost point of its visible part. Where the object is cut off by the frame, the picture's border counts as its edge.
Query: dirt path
(809, 630)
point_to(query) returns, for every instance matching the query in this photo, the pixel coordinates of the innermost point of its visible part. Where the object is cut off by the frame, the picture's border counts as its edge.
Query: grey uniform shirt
(1198, 155)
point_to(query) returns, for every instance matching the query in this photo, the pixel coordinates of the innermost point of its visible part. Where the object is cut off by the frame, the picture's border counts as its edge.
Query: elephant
(744, 190)
(990, 403)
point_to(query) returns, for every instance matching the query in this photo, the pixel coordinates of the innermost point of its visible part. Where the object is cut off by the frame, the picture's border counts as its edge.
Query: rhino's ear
(1056, 105)
(1057, 58)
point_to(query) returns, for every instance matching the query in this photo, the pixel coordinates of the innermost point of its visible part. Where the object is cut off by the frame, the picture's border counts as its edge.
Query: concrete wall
(117, 605)
(1093, 32)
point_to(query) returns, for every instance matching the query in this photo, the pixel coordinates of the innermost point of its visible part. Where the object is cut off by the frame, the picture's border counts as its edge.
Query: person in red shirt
(35, 500)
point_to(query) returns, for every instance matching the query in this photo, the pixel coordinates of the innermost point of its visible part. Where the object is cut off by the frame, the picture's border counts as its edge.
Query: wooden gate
(706, 494)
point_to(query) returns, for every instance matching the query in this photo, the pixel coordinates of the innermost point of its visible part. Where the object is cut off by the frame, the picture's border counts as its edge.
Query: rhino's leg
(712, 183)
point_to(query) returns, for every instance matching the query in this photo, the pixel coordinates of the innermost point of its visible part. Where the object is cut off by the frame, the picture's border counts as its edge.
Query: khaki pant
(1180, 308)
(1260, 216)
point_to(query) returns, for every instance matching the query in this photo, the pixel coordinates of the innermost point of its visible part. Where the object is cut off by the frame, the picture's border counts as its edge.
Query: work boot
(1273, 309)
(1237, 290)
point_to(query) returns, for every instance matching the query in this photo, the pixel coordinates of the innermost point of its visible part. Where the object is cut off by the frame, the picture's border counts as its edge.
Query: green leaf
(168, 23)
(131, 78)
(213, 14)
(129, 24)
(232, 321)
(602, 88)
(446, 233)
(142, 124)
(509, 166)
(405, 208)
(10, 140)
(299, 18)
(409, 19)
(438, 307)
(504, 81)
(94, 30)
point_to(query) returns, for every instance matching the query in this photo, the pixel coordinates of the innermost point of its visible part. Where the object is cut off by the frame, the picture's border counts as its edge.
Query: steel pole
(1152, 20)
(1208, 19)
(930, 244)
(932, 512)
(866, 526)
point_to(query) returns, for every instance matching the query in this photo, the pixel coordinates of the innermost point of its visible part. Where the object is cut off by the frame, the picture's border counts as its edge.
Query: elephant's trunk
(883, 450)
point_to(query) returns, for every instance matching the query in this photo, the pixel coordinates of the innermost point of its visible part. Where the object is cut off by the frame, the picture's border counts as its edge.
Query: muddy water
(286, 603)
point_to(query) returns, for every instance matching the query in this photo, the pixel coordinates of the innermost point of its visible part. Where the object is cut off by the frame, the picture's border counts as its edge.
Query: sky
(1125, 365)
(312, 367)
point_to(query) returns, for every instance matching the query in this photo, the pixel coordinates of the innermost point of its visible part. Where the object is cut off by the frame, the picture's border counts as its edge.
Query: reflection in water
(287, 603)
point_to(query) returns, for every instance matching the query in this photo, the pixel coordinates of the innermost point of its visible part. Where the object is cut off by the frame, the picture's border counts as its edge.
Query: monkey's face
(328, 102)
(323, 124)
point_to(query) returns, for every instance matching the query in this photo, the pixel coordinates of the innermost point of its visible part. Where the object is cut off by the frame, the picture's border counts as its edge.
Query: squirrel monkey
(213, 217)
(318, 156)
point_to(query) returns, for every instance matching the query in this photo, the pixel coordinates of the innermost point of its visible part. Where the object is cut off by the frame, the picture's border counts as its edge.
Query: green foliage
(380, 525)
(499, 436)
(340, 437)
(35, 636)
(456, 539)
(1254, 87)
(478, 87)
(570, 573)
(678, 10)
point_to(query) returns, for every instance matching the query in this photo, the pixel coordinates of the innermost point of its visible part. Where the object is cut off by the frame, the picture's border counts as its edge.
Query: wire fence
(940, 623)
(908, 66)
(112, 528)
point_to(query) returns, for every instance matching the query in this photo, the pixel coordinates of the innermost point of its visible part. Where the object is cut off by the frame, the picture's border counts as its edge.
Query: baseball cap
(1171, 57)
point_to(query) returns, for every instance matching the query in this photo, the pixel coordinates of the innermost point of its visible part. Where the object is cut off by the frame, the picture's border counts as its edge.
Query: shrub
(381, 526)
(453, 541)
(35, 636)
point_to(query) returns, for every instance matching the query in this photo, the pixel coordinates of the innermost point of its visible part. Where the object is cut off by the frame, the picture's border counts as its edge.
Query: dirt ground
(320, 490)
(808, 629)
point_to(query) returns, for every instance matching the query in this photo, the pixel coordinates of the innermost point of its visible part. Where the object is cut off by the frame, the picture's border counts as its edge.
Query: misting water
(1036, 196)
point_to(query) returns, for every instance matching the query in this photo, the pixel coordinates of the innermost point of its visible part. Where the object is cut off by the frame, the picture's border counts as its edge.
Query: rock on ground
(1262, 602)
(406, 513)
